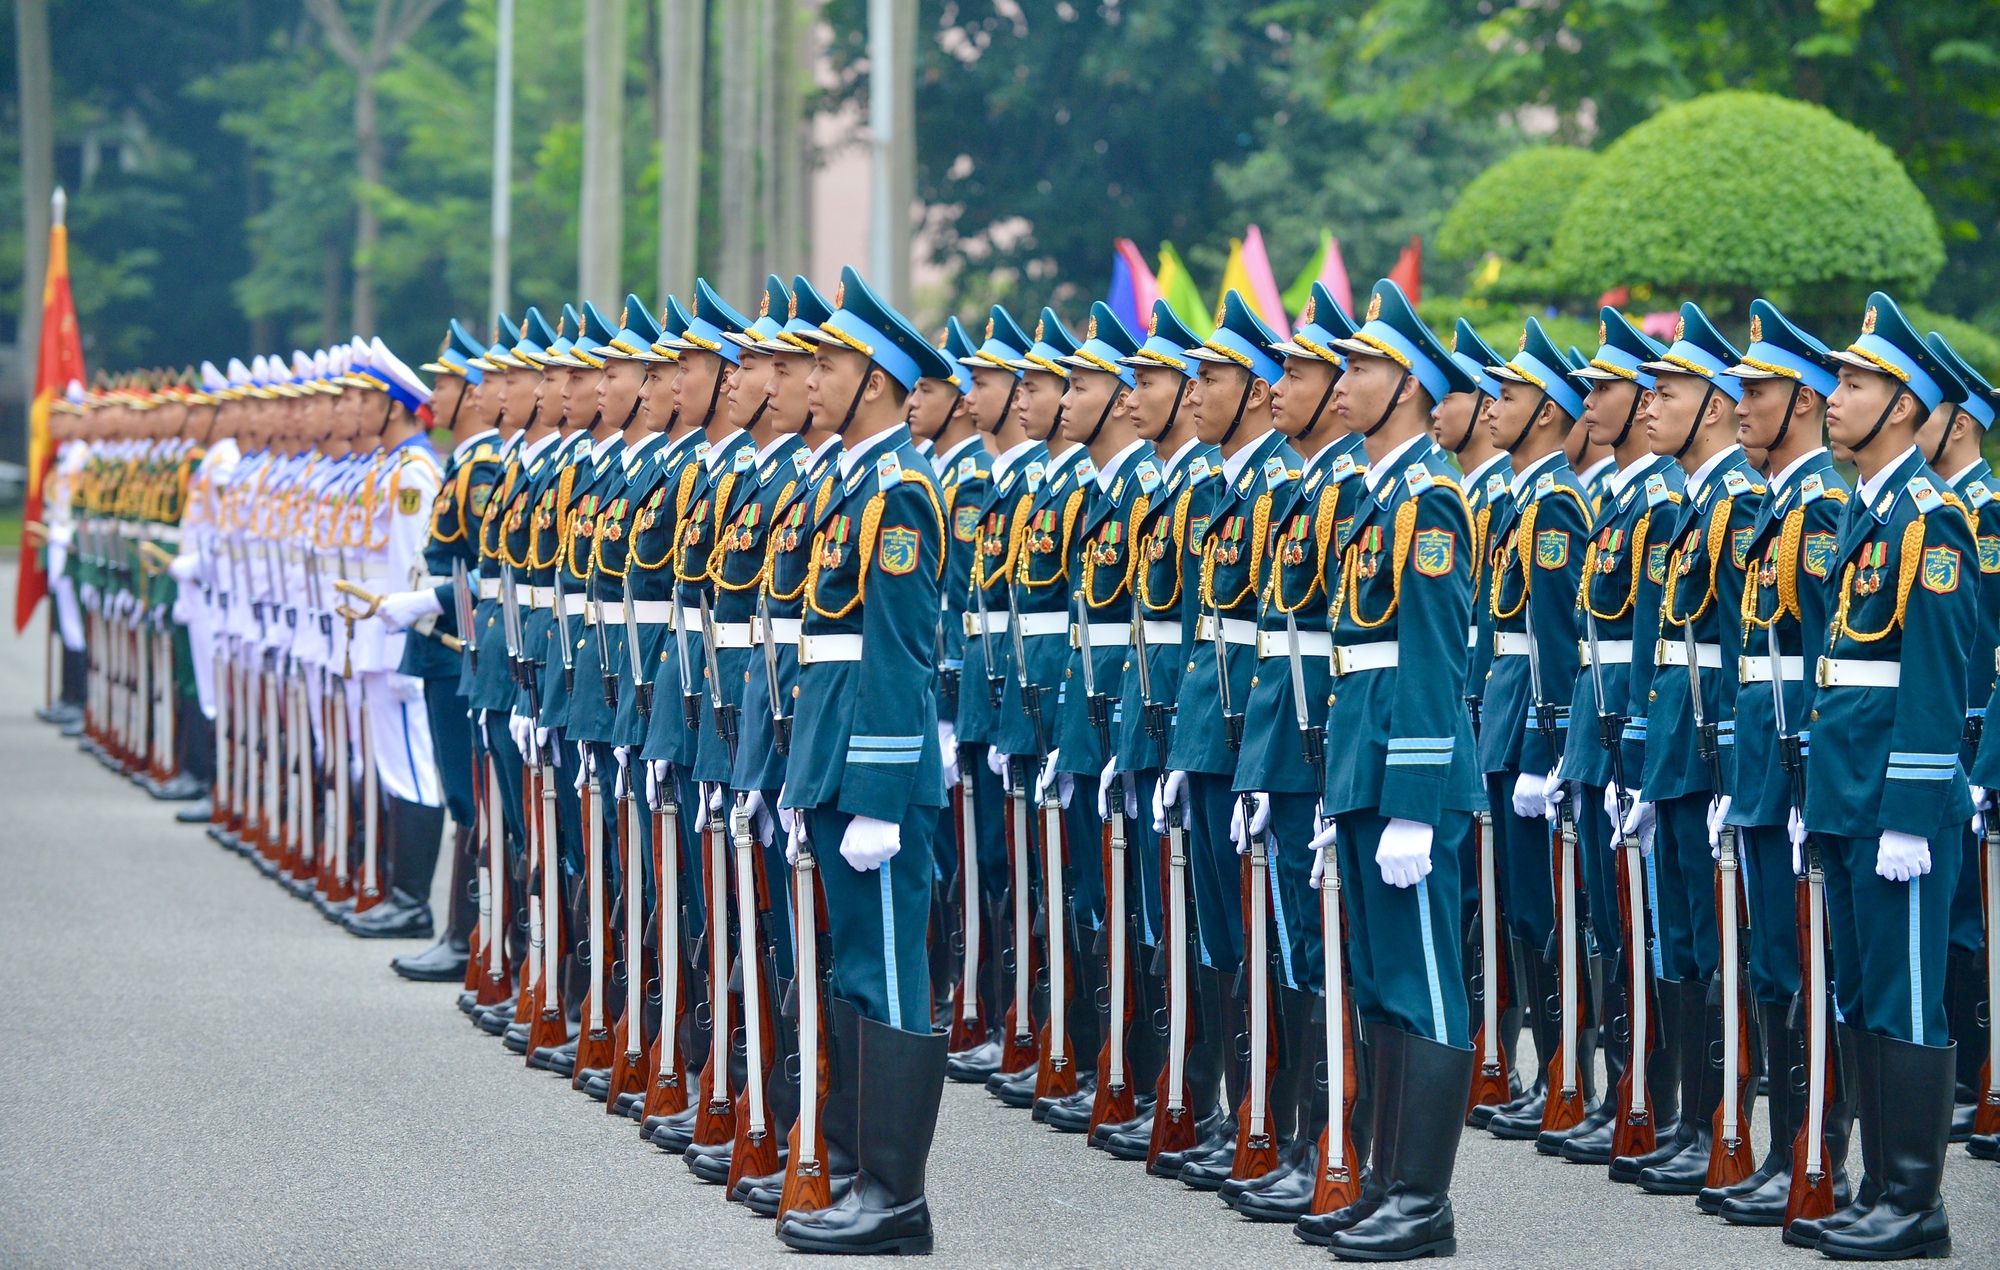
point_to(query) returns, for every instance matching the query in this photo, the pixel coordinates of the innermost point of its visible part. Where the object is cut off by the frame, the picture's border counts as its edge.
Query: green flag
(1178, 290)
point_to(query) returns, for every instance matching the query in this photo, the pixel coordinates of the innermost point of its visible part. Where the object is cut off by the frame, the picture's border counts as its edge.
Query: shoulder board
(1736, 483)
(1034, 475)
(1657, 491)
(1275, 473)
(700, 450)
(1545, 483)
(801, 459)
(968, 467)
(1148, 476)
(1924, 495)
(746, 458)
(1977, 494)
(1811, 489)
(1197, 472)
(1085, 469)
(1344, 468)
(1418, 479)
(1496, 485)
(888, 471)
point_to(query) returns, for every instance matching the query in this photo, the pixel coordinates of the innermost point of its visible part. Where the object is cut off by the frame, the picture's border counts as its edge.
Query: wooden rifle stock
(1492, 1085)
(1056, 1076)
(549, 1029)
(1174, 1117)
(969, 1027)
(1564, 1108)
(478, 946)
(1116, 1101)
(1018, 1049)
(1986, 1119)
(755, 1150)
(595, 1047)
(1339, 1180)
(628, 1061)
(493, 983)
(808, 1183)
(666, 1092)
(1811, 1193)
(1633, 1131)
(1730, 1159)
(1256, 1144)
(715, 1113)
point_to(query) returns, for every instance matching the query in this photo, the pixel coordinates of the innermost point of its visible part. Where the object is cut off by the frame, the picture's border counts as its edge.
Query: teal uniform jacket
(1975, 491)
(1791, 552)
(865, 737)
(548, 535)
(997, 550)
(1535, 549)
(787, 548)
(1886, 759)
(1484, 498)
(1272, 758)
(1054, 501)
(589, 717)
(1160, 590)
(1223, 565)
(1102, 563)
(1631, 532)
(963, 483)
(656, 496)
(1401, 743)
(1705, 573)
(454, 537)
(492, 680)
(538, 535)
(592, 718)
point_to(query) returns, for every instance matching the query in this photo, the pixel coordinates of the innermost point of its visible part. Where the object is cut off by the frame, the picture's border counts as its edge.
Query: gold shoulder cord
(1139, 507)
(1260, 519)
(1175, 529)
(871, 521)
(458, 489)
(1406, 532)
(711, 565)
(633, 560)
(1640, 532)
(1717, 536)
(495, 516)
(1524, 546)
(1072, 507)
(1017, 532)
(1908, 564)
(757, 579)
(1322, 528)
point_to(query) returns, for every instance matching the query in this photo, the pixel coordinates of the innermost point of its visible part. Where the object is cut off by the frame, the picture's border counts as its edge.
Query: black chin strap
(1632, 416)
(847, 420)
(631, 414)
(456, 406)
(1882, 421)
(1395, 395)
(1526, 428)
(1102, 419)
(1249, 382)
(1478, 396)
(715, 393)
(390, 409)
(1695, 427)
(1785, 424)
(1327, 396)
(1054, 427)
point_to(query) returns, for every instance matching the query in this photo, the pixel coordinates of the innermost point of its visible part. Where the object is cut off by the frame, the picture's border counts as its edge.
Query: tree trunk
(790, 162)
(892, 116)
(600, 221)
(740, 98)
(683, 35)
(367, 222)
(38, 173)
(503, 158)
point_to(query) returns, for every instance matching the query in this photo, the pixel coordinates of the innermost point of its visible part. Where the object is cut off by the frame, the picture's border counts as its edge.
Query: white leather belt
(1279, 644)
(653, 612)
(431, 581)
(996, 624)
(784, 630)
(167, 533)
(1350, 658)
(1102, 635)
(1672, 652)
(1757, 670)
(732, 635)
(818, 648)
(1510, 643)
(1472, 637)
(1044, 624)
(524, 595)
(1170, 633)
(1842, 672)
(489, 588)
(543, 597)
(610, 612)
(575, 604)
(1235, 630)
(1610, 652)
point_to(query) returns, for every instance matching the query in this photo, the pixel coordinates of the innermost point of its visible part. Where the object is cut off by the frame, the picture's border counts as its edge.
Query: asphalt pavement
(198, 1070)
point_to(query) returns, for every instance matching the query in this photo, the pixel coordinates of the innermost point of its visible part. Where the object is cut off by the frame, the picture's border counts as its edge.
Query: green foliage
(1511, 210)
(1500, 323)
(1980, 348)
(1737, 194)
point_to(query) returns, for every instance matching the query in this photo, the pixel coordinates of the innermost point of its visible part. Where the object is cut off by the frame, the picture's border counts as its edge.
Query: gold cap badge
(1756, 327)
(989, 328)
(1090, 328)
(1312, 302)
(1680, 329)
(791, 307)
(1601, 334)
(1374, 307)
(1868, 321)
(1038, 331)
(764, 305)
(840, 296)
(1152, 324)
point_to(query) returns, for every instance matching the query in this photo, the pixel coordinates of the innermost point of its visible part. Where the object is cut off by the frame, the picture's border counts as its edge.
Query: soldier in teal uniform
(1282, 781)
(1534, 559)
(1886, 797)
(865, 777)
(1950, 440)
(1787, 378)
(1693, 420)
(1402, 778)
(1222, 564)
(1161, 374)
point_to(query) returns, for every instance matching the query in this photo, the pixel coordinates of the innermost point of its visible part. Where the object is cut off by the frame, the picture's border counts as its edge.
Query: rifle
(606, 675)
(1114, 1102)
(1056, 1077)
(725, 712)
(1729, 1162)
(1632, 1131)
(374, 606)
(562, 629)
(1811, 1193)
(1018, 1048)
(463, 608)
(754, 1152)
(628, 1066)
(1564, 1107)
(690, 697)
(667, 1094)
(1174, 1122)
(594, 1047)
(781, 724)
(968, 1014)
(807, 1185)
(642, 691)
(996, 683)
(716, 1122)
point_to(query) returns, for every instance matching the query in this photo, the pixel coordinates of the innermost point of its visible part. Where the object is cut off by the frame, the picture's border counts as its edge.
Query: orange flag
(60, 363)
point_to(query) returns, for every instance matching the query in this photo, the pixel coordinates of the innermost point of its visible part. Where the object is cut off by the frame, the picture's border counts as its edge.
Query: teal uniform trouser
(989, 820)
(1214, 872)
(1294, 902)
(1772, 889)
(1600, 870)
(1404, 941)
(451, 746)
(1686, 888)
(1146, 860)
(1968, 921)
(1523, 865)
(1889, 938)
(880, 919)
(1083, 869)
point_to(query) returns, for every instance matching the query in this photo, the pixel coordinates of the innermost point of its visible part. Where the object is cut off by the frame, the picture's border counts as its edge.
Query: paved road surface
(198, 1070)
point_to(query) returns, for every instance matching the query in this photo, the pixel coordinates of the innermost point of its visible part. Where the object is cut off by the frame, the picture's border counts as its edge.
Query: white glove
(1321, 844)
(1718, 812)
(1404, 853)
(1104, 779)
(1978, 793)
(710, 811)
(759, 815)
(1530, 800)
(656, 778)
(948, 751)
(1902, 857)
(795, 832)
(1260, 819)
(1127, 795)
(405, 609)
(522, 729)
(1065, 783)
(1553, 791)
(1640, 823)
(63, 535)
(583, 766)
(1167, 792)
(183, 569)
(869, 843)
(997, 763)
(1795, 829)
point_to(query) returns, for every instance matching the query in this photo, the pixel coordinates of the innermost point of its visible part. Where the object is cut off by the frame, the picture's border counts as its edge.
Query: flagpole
(503, 157)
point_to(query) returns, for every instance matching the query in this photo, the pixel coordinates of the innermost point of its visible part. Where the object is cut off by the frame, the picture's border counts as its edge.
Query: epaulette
(1344, 468)
(746, 458)
(1197, 471)
(1543, 485)
(1085, 470)
(888, 471)
(1657, 491)
(801, 459)
(1418, 479)
(1275, 473)
(1496, 485)
(1977, 494)
(1034, 474)
(1811, 489)
(968, 467)
(1148, 476)
(1924, 495)
(485, 453)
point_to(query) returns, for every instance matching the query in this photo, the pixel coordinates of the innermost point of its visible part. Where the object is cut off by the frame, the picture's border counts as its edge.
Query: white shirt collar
(1589, 474)
(831, 443)
(1615, 484)
(949, 459)
(772, 448)
(1107, 476)
(715, 451)
(1008, 457)
(635, 453)
(1180, 458)
(1961, 474)
(1873, 485)
(1707, 469)
(540, 447)
(852, 458)
(1232, 467)
(463, 449)
(1784, 478)
(1523, 478)
(1379, 472)
(1477, 475)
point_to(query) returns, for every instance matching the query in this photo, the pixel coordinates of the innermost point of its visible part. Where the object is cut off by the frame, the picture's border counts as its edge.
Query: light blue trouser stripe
(889, 947)
(1278, 913)
(1431, 962)
(1653, 910)
(1916, 962)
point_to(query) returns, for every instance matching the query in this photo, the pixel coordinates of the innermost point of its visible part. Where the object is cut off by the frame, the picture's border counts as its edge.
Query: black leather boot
(902, 1081)
(415, 836)
(1512, 1019)
(1286, 1194)
(1663, 1092)
(453, 948)
(442, 962)
(1209, 1172)
(1423, 1096)
(1701, 1093)
(1759, 1200)
(1965, 1007)
(1856, 1052)
(1912, 1084)
(1366, 1126)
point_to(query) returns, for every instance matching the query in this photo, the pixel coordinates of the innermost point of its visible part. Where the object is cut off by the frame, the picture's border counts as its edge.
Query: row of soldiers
(1145, 821)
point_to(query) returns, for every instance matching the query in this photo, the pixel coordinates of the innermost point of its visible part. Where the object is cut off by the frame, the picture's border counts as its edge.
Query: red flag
(60, 362)
(1409, 271)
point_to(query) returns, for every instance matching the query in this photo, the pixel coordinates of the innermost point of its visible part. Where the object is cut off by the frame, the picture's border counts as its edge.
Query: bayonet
(781, 726)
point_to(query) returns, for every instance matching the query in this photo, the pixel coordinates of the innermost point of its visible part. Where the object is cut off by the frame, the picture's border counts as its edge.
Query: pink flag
(1264, 295)
(1333, 273)
(1145, 287)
